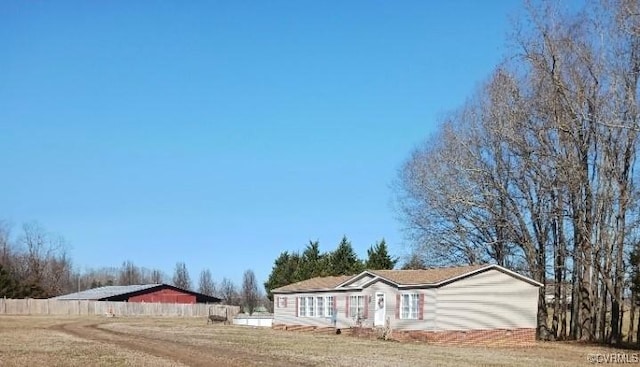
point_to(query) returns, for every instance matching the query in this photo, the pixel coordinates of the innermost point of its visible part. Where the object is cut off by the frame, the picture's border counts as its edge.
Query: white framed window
(409, 306)
(356, 306)
(319, 306)
(302, 306)
(328, 311)
(310, 307)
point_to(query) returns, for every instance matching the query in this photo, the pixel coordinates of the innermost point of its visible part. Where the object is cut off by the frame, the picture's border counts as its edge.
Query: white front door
(381, 308)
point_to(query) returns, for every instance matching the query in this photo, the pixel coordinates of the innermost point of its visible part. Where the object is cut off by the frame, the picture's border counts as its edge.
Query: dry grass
(95, 341)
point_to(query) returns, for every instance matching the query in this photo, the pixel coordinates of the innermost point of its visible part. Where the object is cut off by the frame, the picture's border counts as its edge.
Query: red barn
(150, 293)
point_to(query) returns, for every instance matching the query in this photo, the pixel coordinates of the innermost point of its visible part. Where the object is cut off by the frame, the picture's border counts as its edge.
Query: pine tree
(344, 260)
(379, 258)
(284, 272)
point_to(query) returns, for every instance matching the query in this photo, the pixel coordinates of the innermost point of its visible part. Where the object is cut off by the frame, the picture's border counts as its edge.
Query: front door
(381, 308)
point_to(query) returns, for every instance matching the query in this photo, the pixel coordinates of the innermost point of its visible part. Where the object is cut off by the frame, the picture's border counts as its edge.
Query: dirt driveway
(175, 349)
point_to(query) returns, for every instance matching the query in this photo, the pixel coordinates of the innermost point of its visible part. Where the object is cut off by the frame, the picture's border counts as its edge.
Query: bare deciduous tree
(535, 171)
(129, 274)
(250, 293)
(181, 278)
(229, 293)
(206, 284)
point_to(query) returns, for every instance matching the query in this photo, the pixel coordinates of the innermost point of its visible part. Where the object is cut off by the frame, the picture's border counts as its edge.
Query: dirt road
(181, 352)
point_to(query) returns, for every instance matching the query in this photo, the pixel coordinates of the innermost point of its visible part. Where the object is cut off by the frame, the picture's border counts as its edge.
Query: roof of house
(427, 276)
(401, 278)
(315, 284)
(122, 292)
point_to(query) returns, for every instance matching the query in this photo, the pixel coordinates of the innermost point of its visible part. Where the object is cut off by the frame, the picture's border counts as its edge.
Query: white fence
(265, 320)
(30, 306)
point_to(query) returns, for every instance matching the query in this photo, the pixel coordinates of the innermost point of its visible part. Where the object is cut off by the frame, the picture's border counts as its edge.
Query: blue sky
(223, 133)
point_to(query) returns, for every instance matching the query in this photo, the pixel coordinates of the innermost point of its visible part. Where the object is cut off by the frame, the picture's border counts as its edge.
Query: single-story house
(149, 293)
(481, 303)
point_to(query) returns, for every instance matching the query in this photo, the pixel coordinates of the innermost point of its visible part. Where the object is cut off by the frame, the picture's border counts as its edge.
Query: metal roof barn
(150, 293)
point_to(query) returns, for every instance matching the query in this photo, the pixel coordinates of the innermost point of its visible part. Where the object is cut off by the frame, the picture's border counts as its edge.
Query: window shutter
(421, 306)
(366, 307)
(398, 306)
(297, 307)
(346, 302)
(335, 306)
(285, 302)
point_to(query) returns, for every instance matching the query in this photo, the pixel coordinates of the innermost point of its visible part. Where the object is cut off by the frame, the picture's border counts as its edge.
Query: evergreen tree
(379, 258)
(344, 260)
(283, 273)
(311, 262)
(9, 286)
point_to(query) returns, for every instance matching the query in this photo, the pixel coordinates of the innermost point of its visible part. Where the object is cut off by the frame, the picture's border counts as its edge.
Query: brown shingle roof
(400, 277)
(428, 276)
(314, 284)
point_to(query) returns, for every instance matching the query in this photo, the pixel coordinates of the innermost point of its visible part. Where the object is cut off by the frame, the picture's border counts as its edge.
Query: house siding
(485, 301)
(359, 282)
(289, 315)
(489, 300)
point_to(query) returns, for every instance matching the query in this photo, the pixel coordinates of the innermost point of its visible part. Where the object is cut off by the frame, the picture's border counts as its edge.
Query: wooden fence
(30, 306)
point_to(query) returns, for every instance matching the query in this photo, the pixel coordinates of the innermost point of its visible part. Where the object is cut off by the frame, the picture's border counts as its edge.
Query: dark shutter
(285, 302)
(346, 302)
(366, 307)
(397, 306)
(421, 306)
(297, 308)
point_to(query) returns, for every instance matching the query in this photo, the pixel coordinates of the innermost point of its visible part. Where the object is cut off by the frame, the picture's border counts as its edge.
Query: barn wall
(164, 296)
(489, 300)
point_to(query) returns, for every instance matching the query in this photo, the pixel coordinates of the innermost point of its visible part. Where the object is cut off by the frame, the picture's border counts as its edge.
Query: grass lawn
(99, 341)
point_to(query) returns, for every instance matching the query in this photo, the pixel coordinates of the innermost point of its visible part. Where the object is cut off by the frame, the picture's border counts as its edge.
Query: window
(310, 308)
(302, 304)
(320, 306)
(328, 312)
(409, 306)
(281, 302)
(356, 306)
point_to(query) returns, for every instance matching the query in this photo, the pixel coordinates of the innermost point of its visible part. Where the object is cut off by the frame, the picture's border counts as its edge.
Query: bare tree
(229, 292)
(250, 295)
(535, 171)
(157, 277)
(206, 284)
(181, 278)
(129, 274)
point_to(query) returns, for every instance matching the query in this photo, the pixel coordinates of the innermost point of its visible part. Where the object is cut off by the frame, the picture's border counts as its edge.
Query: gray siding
(360, 282)
(489, 300)
(288, 315)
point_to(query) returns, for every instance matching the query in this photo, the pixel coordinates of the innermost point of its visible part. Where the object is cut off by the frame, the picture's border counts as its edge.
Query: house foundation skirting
(489, 337)
(492, 337)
